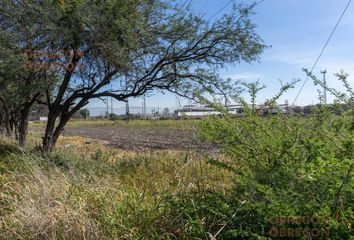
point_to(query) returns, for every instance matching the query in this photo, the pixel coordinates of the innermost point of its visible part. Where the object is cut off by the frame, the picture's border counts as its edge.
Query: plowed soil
(139, 137)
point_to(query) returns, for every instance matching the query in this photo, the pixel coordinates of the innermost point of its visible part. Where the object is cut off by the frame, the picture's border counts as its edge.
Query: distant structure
(43, 119)
(127, 110)
(144, 106)
(193, 111)
(324, 86)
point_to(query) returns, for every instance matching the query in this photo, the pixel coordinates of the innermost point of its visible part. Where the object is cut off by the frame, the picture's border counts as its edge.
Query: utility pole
(111, 103)
(324, 86)
(127, 110)
(144, 105)
(142, 109)
(126, 103)
(226, 101)
(107, 111)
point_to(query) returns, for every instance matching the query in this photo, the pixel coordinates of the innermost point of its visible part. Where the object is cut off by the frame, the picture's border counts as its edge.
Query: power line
(324, 47)
(228, 3)
(181, 7)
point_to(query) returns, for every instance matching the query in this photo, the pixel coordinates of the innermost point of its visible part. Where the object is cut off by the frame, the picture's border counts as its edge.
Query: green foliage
(7, 147)
(211, 215)
(286, 165)
(84, 113)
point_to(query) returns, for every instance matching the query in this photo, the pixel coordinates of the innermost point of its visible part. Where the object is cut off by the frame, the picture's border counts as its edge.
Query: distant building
(192, 111)
(203, 111)
(43, 119)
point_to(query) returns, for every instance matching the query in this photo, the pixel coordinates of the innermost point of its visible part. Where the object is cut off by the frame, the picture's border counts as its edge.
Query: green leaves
(287, 165)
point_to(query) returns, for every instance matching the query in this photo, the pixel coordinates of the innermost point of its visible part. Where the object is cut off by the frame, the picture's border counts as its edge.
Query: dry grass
(43, 210)
(87, 190)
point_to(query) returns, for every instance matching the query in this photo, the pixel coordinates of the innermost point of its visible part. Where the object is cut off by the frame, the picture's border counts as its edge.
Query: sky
(296, 31)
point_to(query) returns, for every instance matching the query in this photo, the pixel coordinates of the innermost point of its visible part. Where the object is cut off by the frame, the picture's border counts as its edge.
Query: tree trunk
(52, 133)
(16, 131)
(57, 109)
(2, 125)
(48, 144)
(14, 124)
(59, 129)
(23, 125)
(7, 125)
(6, 117)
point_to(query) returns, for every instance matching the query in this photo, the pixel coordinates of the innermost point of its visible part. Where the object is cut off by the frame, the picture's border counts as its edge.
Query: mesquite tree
(22, 82)
(9, 102)
(136, 46)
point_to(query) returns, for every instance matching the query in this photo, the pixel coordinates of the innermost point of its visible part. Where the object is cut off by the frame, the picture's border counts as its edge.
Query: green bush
(289, 166)
(284, 166)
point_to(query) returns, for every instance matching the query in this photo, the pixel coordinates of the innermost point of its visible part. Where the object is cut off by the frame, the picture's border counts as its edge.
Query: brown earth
(140, 138)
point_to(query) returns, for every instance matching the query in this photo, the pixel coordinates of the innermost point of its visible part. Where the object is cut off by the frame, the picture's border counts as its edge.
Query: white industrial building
(192, 111)
(199, 112)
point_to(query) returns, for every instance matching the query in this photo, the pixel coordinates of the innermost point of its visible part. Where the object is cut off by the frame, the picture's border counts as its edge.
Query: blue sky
(296, 30)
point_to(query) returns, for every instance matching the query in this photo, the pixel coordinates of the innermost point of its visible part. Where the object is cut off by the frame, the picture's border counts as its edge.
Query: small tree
(23, 83)
(84, 113)
(166, 112)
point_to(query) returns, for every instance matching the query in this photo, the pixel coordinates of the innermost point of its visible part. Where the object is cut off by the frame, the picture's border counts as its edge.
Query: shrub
(285, 165)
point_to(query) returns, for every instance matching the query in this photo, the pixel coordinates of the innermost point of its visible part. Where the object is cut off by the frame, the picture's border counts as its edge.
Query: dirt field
(138, 136)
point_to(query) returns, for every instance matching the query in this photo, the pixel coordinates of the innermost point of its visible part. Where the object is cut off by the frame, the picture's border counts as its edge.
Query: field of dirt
(131, 137)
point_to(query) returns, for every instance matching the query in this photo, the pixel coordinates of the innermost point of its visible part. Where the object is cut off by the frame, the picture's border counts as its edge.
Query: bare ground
(140, 138)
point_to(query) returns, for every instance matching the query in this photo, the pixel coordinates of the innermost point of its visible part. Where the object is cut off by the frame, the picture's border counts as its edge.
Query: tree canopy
(134, 46)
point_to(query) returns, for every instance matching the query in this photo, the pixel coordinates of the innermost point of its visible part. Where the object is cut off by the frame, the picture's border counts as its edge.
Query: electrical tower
(144, 105)
(107, 110)
(324, 86)
(127, 110)
(126, 103)
(111, 103)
